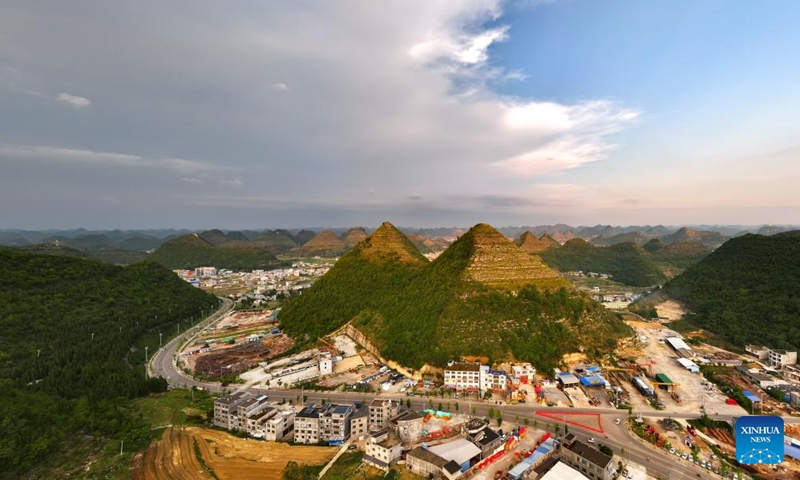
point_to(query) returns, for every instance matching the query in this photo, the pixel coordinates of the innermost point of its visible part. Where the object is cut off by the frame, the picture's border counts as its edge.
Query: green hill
(482, 296)
(625, 262)
(528, 242)
(277, 242)
(746, 290)
(191, 251)
(324, 244)
(71, 351)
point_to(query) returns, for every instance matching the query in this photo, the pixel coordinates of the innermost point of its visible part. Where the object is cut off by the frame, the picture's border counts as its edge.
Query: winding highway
(618, 437)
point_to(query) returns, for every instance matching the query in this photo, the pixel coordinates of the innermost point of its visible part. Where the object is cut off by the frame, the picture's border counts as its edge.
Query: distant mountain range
(128, 246)
(482, 296)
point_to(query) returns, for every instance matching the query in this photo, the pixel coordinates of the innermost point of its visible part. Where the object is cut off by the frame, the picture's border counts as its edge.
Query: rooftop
(452, 467)
(562, 471)
(461, 450)
(232, 398)
(591, 454)
(341, 409)
(464, 367)
(427, 456)
(485, 436)
(309, 411)
(361, 412)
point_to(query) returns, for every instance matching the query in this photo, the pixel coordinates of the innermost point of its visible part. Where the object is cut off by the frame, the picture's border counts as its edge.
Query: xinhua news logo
(759, 440)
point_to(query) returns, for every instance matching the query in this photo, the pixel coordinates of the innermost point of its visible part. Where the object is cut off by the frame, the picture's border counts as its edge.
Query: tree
(491, 412)
(441, 407)
(526, 421)
(499, 420)
(535, 424)
(408, 403)
(558, 429)
(456, 405)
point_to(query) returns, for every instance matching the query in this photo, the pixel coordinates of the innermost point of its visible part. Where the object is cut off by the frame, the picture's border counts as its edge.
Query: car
(672, 450)
(616, 421)
(590, 440)
(351, 447)
(684, 456)
(522, 401)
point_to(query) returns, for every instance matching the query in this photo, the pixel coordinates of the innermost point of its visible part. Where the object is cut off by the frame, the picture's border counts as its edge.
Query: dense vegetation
(626, 262)
(678, 255)
(418, 312)
(192, 251)
(746, 290)
(71, 349)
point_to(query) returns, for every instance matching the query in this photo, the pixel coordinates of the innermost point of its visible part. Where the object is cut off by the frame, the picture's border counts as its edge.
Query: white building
(325, 364)
(463, 376)
(279, 426)
(759, 351)
(383, 450)
(780, 358)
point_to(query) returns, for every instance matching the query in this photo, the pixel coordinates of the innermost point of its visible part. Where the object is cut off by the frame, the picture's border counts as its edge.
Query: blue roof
(498, 372)
(751, 396)
(792, 450)
(593, 381)
(593, 369)
(527, 463)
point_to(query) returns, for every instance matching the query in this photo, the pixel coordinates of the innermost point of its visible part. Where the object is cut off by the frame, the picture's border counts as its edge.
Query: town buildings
(586, 459)
(383, 449)
(380, 411)
(780, 358)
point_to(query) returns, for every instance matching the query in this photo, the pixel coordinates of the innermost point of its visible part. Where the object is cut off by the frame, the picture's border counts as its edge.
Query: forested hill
(626, 262)
(214, 249)
(483, 296)
(746, 290)
(71, 338)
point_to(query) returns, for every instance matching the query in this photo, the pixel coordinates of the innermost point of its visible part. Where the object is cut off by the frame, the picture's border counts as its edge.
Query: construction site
(234, 344)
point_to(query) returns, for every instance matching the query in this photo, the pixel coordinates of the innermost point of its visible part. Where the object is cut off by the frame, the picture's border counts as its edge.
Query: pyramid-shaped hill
(324, 244)
(494, 261)
(277, 242)
(529, 243)
(363, 280)
(482, 296)
(353, 236)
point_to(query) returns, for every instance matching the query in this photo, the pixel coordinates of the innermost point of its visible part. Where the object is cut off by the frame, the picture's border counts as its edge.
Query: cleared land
(671, 310)
(199, 453)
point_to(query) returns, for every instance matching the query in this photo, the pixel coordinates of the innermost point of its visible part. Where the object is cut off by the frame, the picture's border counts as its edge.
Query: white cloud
(192, 180)
(73, 100)
(280, 86)
(554, 157)
(232, 183)
(90, 157)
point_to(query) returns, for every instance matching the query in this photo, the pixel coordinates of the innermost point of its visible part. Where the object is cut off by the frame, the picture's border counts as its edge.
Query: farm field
(199, 453)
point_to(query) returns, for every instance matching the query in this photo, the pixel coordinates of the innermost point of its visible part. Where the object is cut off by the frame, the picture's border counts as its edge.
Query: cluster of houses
(475, 377)
(262, 285)
(392, 433)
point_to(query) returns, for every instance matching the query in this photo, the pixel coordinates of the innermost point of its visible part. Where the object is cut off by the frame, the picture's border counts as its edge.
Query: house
(407, 426)
(792, 372)
(306, 425)
(383, 449)
(463, 377)
(562, 471)
(488, 441)
(359, 422)
(541, 456)
(568, 380)
(780, 358)
(759, 351)
(495, 380)
(462, 451)
(251, 406)
(677, 344)
(591, 462)
(225, 409)
(325, 364)
(380, 411)
(689, 365)
(427, 464)
(523, 373)
(754, 373)
(257, 421)
(334, 423)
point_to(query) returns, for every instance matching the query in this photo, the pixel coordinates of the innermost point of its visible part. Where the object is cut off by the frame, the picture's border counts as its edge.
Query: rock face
(529, 243)
(324, 244)
(497, 262)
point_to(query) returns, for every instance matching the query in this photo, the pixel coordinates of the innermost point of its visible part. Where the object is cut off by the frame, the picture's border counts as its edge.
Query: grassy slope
(191, 251)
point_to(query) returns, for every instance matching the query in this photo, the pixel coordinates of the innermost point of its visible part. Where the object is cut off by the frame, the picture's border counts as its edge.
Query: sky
(285, 114)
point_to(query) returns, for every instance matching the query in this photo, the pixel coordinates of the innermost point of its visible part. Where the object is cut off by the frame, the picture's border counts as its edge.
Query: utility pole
(121, 443)
(38, 352)
(159, 339)
(145, 354)
(92, 336)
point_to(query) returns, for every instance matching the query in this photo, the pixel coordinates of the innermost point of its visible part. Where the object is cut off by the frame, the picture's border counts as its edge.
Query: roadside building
(568, 380)
(463, 377)
(689, 365)
(383, 450)
(279, 425)
(359, 422)
(792, 372)
(542, 454)
(794, 399)
(591, 462)
(680, 347)
(562, 471)
(334, 423)
(325, 364)
(495, 380)
(252, 406)
(462, 451)
(523, 373)
(256, 423)
(306, 425)
(759, 351)
(780, 358)
(380, 411)
(407, 426)
(225, 409)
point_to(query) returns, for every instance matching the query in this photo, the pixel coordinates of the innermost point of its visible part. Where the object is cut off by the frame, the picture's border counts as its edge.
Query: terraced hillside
(324, 244)
(353, 236)
(482, 296)
(529, 243)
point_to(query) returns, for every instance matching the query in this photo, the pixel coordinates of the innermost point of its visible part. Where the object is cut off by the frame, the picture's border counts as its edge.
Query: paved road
(657, 461)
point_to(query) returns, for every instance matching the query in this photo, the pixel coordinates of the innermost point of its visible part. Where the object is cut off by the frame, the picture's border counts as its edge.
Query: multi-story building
(780, 358)
(524, 372)
(586, 459)
(256, 422)
(380, 411)
(250, 407)
(325, 364)
(334, 423)
(463, 376)
(759, 351)
(496, 380)
(427, 464)
(383, 449)
(792, 372)
(225, 409)
(280, 425)
(359, 422)
(306, 425)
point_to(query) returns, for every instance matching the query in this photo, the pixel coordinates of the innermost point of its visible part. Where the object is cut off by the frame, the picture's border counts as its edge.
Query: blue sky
(288, 114)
